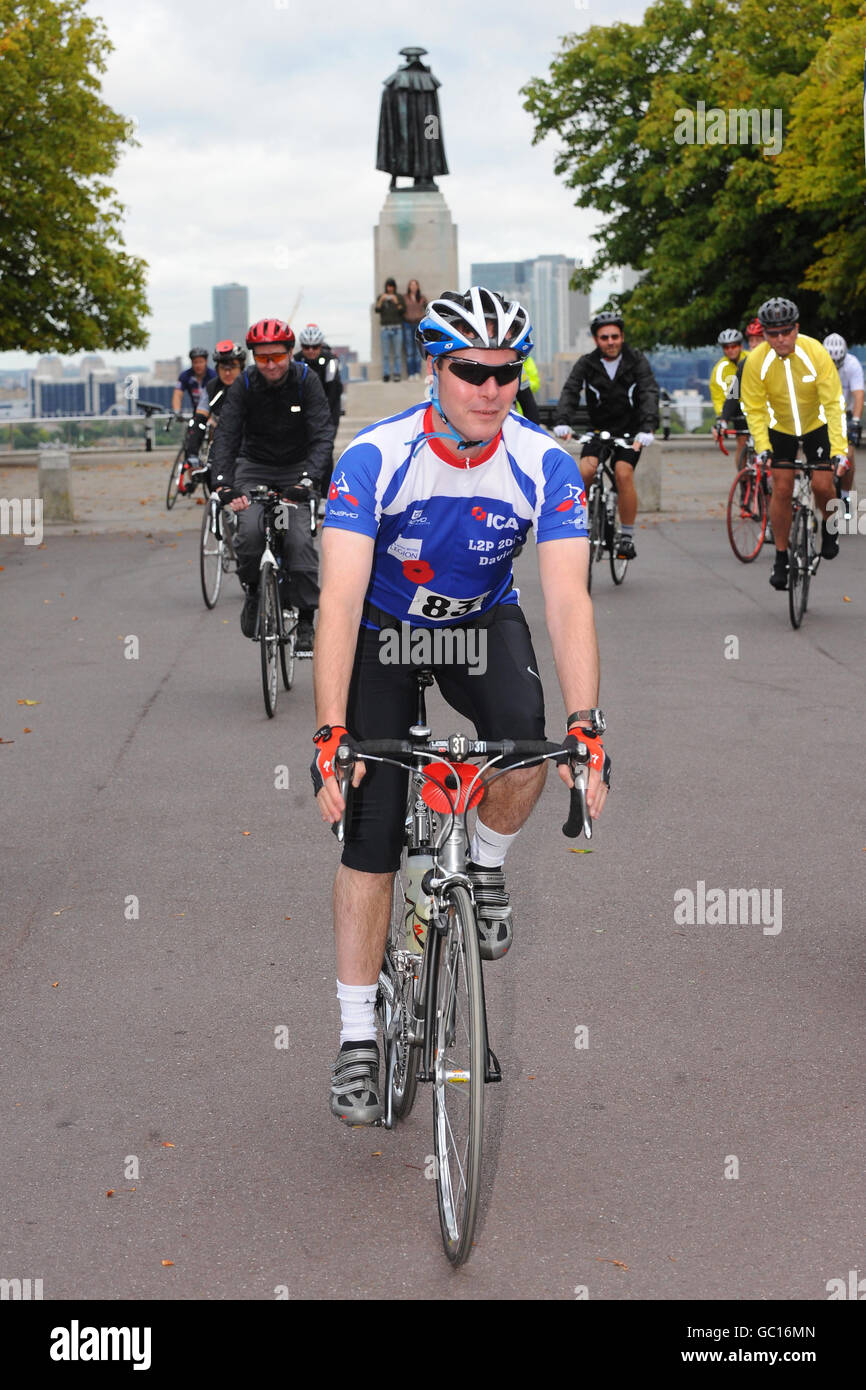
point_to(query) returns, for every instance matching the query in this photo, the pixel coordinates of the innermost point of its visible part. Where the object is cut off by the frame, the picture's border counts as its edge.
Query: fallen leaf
(167, 1263)
(246, 832)
(29, 702)
(2, 567)
(531, 1077)
(62, 909)
(581, 851)
(27, 731)
(167, 1144)
(7, 740)
(619, 1264)
(75, 620)
(55, 984)
(288, 919)
(110, 1192)
(377, 1153)
(845, 598)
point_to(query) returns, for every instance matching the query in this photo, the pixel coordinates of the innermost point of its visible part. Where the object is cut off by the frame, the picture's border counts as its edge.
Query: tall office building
(560, 316)
(231, 312)
(201, 335)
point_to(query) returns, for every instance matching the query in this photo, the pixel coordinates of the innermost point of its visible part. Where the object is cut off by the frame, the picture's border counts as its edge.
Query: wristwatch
(594, 717)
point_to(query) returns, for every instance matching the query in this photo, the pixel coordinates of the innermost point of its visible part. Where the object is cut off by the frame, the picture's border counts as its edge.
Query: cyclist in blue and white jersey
(426, 510)
(851, 376)
(193, 381)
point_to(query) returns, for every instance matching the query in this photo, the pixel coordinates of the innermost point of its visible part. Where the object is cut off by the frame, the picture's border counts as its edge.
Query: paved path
(167, 909)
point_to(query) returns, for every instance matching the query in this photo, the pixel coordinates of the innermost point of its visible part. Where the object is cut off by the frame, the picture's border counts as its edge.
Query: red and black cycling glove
(598, 759)
(326, 740)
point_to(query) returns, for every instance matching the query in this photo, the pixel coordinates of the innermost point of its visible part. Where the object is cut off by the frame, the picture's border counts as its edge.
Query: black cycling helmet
(603, 319)
(778, 313)
(227, 352)
(198, 352)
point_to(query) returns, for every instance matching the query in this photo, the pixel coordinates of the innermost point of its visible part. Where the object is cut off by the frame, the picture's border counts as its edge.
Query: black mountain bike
(431, 1003)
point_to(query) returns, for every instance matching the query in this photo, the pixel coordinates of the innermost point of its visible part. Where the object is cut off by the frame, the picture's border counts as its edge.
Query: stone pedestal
(54, 485)
(415, 240)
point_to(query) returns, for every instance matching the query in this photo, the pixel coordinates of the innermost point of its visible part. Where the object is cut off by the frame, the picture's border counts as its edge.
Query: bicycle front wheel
(596, 531)
(798, 567)
(269, 635)
(458, 1076)
(618, 564)
(211, 552)
(397, 1005)
(174, 479)
(747, 515)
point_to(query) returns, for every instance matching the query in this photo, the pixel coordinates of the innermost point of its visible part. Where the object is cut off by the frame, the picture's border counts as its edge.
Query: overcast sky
(257, 123)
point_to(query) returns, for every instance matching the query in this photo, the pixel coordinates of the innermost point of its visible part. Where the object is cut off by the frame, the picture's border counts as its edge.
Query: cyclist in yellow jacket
(791, 394)
(730, 340)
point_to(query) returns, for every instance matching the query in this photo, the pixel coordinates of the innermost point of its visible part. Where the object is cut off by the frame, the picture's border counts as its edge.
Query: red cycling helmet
(270, 331)
(755, 329)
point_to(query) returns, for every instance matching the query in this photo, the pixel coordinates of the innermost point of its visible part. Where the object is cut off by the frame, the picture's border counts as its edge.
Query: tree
(66, 283)
(657, 134)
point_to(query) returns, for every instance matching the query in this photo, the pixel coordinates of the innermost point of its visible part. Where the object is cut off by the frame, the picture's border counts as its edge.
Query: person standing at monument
(416, 305)
(391, 308)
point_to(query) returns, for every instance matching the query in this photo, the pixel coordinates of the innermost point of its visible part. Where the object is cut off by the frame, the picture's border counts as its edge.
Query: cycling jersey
(282, 430)
(851, 376)
(446, 530)
(720, 379)
(190, 383)
(793, 395)
(626, 402)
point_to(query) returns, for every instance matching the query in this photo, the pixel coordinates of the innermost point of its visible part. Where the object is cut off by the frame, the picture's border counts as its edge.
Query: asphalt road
(167, 912)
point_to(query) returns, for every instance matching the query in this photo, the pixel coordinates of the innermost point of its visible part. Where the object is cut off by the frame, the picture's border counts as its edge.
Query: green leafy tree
(66, 283)
(707, 219)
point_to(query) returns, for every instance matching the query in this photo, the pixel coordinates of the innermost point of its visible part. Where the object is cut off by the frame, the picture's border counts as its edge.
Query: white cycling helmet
(311, 336)
(836, 346)
(729, 335)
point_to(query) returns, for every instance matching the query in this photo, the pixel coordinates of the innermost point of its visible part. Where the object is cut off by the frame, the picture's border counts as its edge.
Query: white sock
(489, 847)
(357, 1014)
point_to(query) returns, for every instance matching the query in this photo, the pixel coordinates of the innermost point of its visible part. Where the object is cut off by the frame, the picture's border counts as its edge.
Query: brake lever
(579, 818)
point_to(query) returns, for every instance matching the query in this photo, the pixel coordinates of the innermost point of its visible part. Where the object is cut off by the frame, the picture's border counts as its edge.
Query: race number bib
(438, 607)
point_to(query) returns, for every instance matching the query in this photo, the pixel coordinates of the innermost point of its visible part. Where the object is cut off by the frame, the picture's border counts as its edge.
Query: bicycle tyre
(174, 479)
(396, 1013)
(458, 1076)
(211, 558)
(269, 628)
(596, 531)
(287, 653)
(798, 568)
(746, 533)
(618, 564)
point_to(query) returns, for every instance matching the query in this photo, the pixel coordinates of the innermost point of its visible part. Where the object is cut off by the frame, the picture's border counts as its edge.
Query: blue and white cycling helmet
(836, 346)
(480, 318)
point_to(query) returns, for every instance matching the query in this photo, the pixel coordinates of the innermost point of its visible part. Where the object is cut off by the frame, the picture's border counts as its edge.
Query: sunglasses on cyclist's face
(276, 357)
(780, 332)
(476, 373)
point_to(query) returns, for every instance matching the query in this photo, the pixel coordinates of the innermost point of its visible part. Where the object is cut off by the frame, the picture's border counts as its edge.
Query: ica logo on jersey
(495, 519)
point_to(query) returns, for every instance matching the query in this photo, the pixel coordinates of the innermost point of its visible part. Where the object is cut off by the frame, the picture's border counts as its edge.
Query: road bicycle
(431, 1003)
(602, 502)
(216, 548)
(748, 510)
(804, 544)
(176, 471)
(276, 627)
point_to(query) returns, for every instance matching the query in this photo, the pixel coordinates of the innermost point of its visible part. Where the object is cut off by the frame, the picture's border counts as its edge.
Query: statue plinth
(415, 240)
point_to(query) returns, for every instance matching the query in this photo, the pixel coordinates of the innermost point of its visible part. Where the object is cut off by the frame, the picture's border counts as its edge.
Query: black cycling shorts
(620, 453)
(504, 701)
(816, 445)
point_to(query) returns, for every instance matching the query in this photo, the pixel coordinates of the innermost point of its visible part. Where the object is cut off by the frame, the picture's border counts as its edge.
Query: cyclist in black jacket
(622, 397)
(326, 365)
(230, 360)
(275, 428)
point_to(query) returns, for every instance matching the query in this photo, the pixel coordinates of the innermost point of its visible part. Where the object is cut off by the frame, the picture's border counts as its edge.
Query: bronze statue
(410, 132)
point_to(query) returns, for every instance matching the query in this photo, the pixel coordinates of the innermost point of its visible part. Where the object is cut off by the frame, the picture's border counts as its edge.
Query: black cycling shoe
(829, 543)
(779, 576)
(625, 549)
(250, 613)
(305, 636)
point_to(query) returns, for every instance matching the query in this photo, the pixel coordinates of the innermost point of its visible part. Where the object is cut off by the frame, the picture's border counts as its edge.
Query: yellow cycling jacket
(720, 379)
(793, 394)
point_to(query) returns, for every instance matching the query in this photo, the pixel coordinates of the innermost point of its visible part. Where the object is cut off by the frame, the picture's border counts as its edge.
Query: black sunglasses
(476, 373)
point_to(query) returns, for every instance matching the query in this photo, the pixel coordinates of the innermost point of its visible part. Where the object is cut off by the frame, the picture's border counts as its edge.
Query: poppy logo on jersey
(495, 519)
(340, 488)
(418, 571)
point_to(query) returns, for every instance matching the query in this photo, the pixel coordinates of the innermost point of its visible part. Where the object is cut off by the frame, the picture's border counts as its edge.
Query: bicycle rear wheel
(396, 1006)
(211, 553)
(798, 568)
(747, 515)
(270, 626)
(287, 650)
(458, 1076)
(174, 479)
(596, 530)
